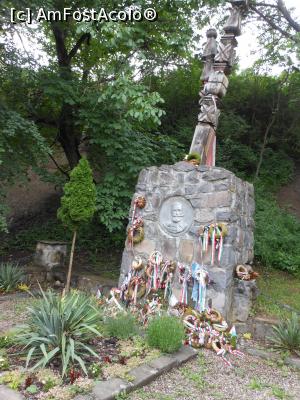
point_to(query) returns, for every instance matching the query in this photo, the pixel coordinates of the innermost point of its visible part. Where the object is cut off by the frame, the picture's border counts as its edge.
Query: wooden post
(67, 288)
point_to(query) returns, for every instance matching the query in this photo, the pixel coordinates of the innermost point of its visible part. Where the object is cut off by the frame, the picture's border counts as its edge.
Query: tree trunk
(67, 135)
(263, 146)
(67, 288)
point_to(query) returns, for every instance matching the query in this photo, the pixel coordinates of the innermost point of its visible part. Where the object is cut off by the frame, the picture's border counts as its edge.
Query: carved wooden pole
(218, 59)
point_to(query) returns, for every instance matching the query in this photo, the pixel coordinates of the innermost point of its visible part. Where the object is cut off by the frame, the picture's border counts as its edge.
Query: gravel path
(208, 378)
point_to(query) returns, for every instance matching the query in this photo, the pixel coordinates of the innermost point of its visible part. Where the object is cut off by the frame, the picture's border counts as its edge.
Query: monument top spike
(218, 59)
(240, 3)
(211, 33)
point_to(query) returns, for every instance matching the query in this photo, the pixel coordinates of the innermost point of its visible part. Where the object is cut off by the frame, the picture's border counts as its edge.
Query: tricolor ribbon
(213, 245)
(200, 276)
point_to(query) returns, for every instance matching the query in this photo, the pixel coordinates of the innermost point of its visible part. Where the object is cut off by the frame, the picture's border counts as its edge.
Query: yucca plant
(286, 335)
(60, 328)
(11, 275)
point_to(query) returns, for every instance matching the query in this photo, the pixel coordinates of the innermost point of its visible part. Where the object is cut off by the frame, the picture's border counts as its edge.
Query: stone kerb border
(143, 374)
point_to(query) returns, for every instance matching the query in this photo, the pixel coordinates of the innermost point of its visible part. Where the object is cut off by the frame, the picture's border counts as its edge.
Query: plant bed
(116, 342)
(110, 356)
(117, 358)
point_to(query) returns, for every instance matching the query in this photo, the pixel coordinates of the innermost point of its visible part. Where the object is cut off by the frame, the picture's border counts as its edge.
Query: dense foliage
(277, 234)
(126, 94)
(60, 328)
(86, 88)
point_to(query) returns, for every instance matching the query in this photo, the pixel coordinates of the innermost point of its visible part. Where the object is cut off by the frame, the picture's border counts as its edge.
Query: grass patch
(123, 326)
(277, 288)
(280, 393)
(277, 391)
(198, 377)
(256, 384)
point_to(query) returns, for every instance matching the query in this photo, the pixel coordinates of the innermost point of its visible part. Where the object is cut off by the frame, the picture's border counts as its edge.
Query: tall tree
(88, 89)
(279, 30)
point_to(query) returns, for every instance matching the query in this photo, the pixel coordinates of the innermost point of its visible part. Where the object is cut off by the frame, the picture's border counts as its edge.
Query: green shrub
(61, 327)
(123, 326)
(165, 333)
(286, 335)
(194, 156)
(10, 276)
(277, 234)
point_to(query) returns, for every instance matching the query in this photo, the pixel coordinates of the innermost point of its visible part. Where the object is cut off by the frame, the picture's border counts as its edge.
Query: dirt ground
(289, 195)
(13, 312)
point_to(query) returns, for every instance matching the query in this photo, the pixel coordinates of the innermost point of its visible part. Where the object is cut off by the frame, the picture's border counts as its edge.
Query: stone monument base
(180, 199)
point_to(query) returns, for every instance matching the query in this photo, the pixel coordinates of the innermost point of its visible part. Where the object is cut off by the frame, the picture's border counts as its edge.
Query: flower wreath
(137, 264)
(136, 232)
(136, 288)
(213, 316)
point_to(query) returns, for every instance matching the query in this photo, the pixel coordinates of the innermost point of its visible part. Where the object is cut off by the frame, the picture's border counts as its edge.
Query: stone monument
(182, 198)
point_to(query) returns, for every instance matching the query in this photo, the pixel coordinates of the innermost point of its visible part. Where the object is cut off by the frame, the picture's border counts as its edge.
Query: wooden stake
(67, 288)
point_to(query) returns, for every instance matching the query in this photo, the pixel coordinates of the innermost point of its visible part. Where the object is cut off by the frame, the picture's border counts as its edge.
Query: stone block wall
(206, 195)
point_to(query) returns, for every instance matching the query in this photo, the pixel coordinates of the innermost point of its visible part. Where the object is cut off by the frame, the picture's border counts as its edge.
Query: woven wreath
(140, 202)
(141, 290)
(137, 263)
(136, 235)
(213, 316)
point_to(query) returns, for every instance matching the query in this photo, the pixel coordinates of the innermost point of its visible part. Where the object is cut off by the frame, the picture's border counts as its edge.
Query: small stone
(216, 174)
(204, 216)
(169, 248)
(220, 299)
(165, 178)
(146, 246)
(203, 168)
(186, 250)
(226, 216)
(212, 200)
(194, 177)
(143, 177)
(184, 166)
(195, 191)
(222, 278)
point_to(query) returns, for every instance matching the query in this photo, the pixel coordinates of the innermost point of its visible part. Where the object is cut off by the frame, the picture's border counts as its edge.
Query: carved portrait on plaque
(176, 216)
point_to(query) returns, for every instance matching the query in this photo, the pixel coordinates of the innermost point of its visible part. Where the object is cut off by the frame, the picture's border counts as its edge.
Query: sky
(247, 42)
(247, 50)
